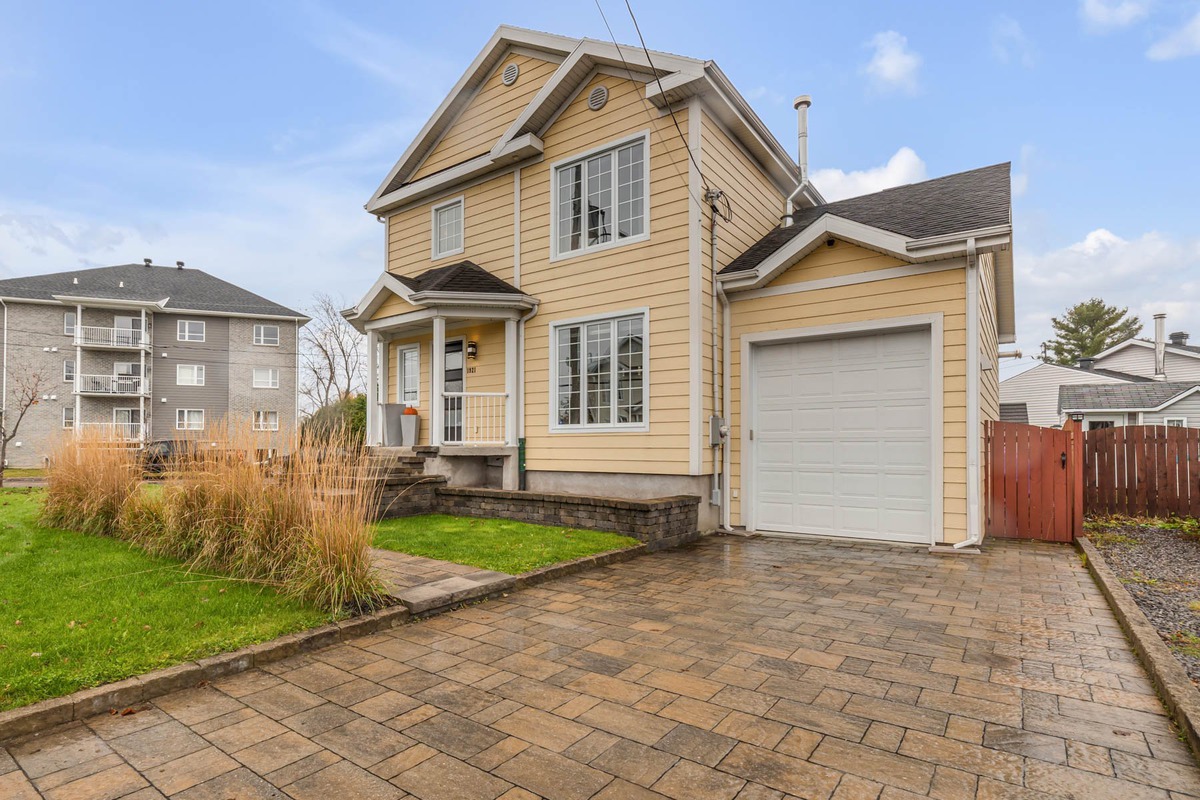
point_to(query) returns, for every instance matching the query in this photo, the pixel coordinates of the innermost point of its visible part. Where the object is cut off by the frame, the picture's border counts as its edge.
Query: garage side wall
(938, 292)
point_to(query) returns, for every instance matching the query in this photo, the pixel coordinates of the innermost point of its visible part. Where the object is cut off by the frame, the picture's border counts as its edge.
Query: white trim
(70, 361)
(108, 302)
(511, 353)
(437, 384)
(1168, 420)
(614, 145)
(255, 337)
(695, 294)
(182, 336)
(932, 322)
(1118, 420)
(401, 349)
(1121, 346)
(461, 202)
(974, 430)
(198, 373)
(373, 409)
(74, 326)
(517, 228)
(185, 412)
(887, 273)
(629, 427)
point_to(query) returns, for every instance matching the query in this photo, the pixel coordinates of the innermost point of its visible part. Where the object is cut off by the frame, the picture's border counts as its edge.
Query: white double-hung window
(600, 373)
(266, 378)
(189, 374)
(600, 200)
(448, 228)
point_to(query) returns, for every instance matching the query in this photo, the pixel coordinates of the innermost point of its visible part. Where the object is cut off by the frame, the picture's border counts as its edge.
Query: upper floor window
(266, 334)
(600, 200)
(69, 323)
(600, 373)
(189, 375)
(191, 330)
(266, 378)
(448, 228)
(69, 370)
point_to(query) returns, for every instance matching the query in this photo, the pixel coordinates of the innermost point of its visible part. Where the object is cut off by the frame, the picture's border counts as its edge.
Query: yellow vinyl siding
(650, 274)
(393, 305)
(934, 292)
(487, 231)
(757, 205)
(489, 114)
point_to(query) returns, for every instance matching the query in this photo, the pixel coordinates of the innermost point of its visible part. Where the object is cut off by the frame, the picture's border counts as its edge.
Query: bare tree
(333, 356)
(28, 391)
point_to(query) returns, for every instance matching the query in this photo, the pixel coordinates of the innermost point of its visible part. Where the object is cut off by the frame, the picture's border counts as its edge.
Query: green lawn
(14, 472)
(499, 544)
(78, 611)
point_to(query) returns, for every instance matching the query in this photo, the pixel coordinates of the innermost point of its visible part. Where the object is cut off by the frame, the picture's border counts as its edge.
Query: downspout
(973, 484)
(726, 404)
(520, 389)
(801, 105)
(718, 425)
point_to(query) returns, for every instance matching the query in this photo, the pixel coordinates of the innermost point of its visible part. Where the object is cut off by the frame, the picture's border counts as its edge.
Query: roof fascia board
(373, 299)
(489, 299)
(110, 302)
(1162, 406)
(195, 312)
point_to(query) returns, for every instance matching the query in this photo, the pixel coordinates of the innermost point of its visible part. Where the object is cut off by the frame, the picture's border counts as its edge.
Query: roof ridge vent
(178, 265)
(147, 261)
(597, 97)
(509, 76)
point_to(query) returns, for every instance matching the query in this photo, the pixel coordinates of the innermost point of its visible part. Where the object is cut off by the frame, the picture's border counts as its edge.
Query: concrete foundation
(629, 485)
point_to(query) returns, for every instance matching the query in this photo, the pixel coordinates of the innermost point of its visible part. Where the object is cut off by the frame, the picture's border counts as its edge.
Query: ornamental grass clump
(89, 480)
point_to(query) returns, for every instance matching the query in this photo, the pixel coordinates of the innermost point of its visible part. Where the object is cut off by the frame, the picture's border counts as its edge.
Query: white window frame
(182, 333)
(260, 340)
(197, 374)
(181, 419)
(68, 378)
(644, 137)
(272, 378)
(400, 351)
(612, 427)
(1181, 420)
(434, 252)
(68, 424)
(69, 328)
(259, 425)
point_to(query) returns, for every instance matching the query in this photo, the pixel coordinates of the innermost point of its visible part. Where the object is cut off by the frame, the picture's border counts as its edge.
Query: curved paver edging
(1172, 682)
(140, 688)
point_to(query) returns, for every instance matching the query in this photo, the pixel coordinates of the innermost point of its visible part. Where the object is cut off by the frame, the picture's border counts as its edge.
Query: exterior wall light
(472, 350)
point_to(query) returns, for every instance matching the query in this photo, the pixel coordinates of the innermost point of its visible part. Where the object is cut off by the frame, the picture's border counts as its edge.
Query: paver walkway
(404, 571)
(732, 668)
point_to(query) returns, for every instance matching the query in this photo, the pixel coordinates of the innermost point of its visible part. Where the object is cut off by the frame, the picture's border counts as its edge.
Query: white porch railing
(116, 431)
(474, 418)
(93, 336)
(109, 384)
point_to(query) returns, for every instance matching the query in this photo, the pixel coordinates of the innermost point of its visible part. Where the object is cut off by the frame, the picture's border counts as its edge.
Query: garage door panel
(845, 448)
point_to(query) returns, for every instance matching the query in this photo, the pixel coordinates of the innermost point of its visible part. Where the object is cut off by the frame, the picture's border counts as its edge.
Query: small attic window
(597, 98)
(509, 76)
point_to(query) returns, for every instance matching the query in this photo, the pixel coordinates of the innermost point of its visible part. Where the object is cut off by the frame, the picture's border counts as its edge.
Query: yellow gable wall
(651, 274)
(489, 114)
(391, 306)
(934, 292)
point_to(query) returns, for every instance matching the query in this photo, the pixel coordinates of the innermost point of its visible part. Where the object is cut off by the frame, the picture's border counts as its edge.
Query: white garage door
(842, 437)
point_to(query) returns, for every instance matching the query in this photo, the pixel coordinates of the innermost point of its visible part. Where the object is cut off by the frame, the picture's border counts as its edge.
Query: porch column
(372, 387)
(437, 403)
(384, 364)
(510, 382)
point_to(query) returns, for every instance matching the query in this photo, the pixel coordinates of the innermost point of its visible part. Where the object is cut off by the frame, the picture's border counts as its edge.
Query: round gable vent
(597, 98)
(510, 74)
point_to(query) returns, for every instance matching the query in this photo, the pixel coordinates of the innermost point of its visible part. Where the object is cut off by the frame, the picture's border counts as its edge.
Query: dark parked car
(157, 457)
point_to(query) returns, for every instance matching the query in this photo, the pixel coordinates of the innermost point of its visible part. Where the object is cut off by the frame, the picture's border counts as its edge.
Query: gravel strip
(1160, 568)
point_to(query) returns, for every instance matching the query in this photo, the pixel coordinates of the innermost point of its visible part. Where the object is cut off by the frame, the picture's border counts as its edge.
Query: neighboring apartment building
(1100, 391)
(145, 353)
(551, 282)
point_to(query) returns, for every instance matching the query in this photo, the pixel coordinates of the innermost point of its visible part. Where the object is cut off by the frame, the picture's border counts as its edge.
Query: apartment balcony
(114, 431)
(96, 338)
(111, 385)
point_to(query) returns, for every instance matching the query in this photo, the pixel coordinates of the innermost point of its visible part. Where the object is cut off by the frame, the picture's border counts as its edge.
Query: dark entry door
(454, 382)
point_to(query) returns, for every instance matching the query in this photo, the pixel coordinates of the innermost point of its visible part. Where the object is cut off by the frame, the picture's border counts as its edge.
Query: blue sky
(244, 138)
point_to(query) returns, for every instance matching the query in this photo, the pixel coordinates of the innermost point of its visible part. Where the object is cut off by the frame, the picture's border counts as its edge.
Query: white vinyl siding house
(1037, 388)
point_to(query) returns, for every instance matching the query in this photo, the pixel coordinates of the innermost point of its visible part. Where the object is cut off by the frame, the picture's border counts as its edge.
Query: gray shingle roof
(465, 276)
(190, 289)
(1110, 373)
(1014, 412)
(979, 198)
(1105, 396)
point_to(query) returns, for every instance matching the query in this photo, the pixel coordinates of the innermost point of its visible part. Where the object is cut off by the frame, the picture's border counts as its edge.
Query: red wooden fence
(1142, 470)
(1034, 486)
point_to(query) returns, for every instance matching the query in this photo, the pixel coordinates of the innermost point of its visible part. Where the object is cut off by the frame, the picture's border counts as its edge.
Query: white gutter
(974, 535)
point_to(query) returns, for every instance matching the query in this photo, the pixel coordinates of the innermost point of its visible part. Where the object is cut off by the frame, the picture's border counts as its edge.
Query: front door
(454, 383)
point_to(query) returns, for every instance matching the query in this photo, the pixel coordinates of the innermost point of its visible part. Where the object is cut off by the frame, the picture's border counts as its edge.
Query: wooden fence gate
(1034, 482)
(1142, 470)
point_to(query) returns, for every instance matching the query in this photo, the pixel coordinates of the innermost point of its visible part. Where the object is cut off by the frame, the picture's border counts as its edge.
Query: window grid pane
(449, 228)
(599, 373)
(630, 191)
(630, 353)
(600, 197)
(266, 334)
(570, 209)
(568, 376)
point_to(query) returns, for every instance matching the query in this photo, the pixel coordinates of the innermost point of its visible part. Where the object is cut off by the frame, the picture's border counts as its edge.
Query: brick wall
(33, 331)
(407, 495)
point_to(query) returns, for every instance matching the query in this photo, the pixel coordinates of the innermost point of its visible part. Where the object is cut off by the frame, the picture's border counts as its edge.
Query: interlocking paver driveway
(733, 668)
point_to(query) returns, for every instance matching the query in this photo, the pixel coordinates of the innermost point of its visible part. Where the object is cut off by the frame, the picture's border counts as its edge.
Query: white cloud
(1100, 16)
(1020, 178)
(893, 65)
(905, 166)
(1183, 42)
(1149, 274)
(1010, 45)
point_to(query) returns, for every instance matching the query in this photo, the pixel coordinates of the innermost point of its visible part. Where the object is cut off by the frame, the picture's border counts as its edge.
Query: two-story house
(604, 273)
(144, 353)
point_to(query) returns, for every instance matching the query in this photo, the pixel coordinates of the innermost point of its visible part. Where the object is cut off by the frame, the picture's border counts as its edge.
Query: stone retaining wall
(408, 495)
(660, 522)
